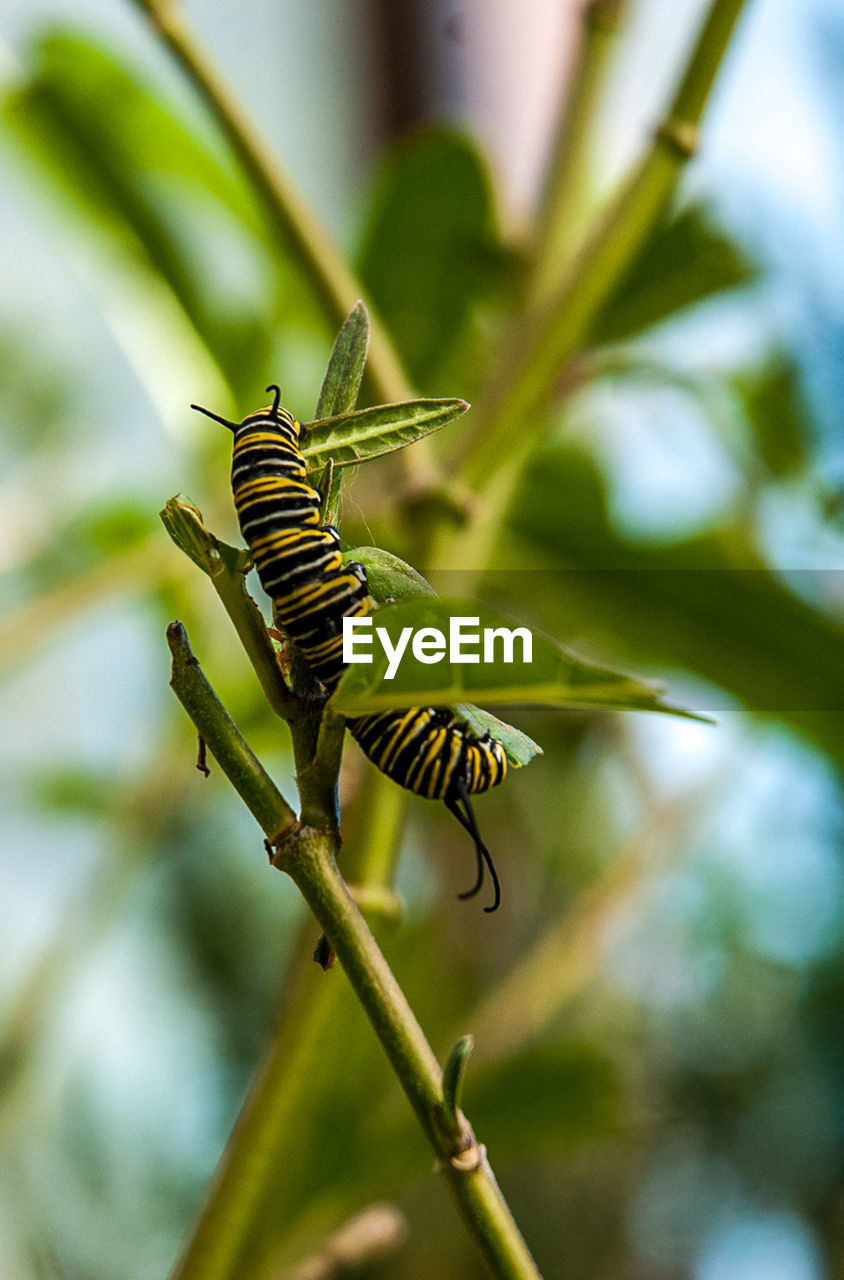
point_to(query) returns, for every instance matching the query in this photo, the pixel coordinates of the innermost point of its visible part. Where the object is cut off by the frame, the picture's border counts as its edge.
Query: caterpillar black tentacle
(483, 855)
(427, 750)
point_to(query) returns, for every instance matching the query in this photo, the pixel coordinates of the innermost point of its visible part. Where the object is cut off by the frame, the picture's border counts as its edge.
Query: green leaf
(350, 438)
(554, 677)
(431, 246)
(86, 97)
(519, 748)
(684, 261)
(777, 417)
(116, 151)
(391, 580)
(339, 393)
(342, 380)
(708, 605)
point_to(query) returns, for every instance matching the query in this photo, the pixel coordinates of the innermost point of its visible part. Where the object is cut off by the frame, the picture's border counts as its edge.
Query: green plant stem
(371, 848)
(248, 622)
(309, 861)
(227, 1238)
(565, 199)
(295, 224)
(230, 1237)
(307, 855)
(534, 354)
(245, 772)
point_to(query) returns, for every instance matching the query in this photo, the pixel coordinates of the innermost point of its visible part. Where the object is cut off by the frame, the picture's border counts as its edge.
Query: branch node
(281, 844)
(472, 1158)
(680, 136)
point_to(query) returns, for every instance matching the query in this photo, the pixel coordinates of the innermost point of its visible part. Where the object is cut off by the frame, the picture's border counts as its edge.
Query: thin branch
(565, 199)
(294, 223)
(307, 855)
(225, 742)
(229, 1238)
(361, 1241)
(225, 566)
(308, 858)
(533, 357)
(317, 781)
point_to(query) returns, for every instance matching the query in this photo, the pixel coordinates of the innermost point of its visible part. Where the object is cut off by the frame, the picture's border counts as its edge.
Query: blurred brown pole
(403, 52)
(489, 65)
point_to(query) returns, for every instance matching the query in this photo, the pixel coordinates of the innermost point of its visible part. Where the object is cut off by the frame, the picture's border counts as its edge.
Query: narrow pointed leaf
(342, 380)
(339, 394)
(350, 438)
(554, 677)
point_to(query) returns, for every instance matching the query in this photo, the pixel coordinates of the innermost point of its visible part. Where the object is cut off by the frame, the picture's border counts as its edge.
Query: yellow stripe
(274, 484)
(324, 648)
(286, 538)
(246, 441)
(416, 768)
(393, 748)
(312, 592)
(437, 743)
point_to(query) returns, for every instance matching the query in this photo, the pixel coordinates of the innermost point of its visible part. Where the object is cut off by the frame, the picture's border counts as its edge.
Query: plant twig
(225, 742)
(358, 1243)
(308, 858)
(229, 1238)
(307, 855)
(295, 224)
(565, 198)
(533, 357)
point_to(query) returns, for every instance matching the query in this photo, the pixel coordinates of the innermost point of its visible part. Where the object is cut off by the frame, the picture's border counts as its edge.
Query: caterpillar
(427, 750)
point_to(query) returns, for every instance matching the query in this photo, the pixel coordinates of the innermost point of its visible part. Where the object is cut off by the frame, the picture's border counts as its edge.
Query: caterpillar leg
(483, 855)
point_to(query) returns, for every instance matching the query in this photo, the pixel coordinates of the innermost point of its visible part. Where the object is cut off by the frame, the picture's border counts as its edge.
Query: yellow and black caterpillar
(428, 750)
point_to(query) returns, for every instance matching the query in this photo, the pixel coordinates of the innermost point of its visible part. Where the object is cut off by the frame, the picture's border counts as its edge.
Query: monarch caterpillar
(427, 750)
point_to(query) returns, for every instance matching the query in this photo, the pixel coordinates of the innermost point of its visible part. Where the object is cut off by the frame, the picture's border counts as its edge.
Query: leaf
(342, 380)
(684, 261)
(339, 393)
(707, 605)
(520, 749)
(554, 677)
(393, 580)
(390, 579)
(777, 416)
(431, 246)
(100, 107)
(350, 438)
(118, 153)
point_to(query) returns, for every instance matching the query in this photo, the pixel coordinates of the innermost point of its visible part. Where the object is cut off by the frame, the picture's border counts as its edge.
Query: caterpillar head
(272, 417)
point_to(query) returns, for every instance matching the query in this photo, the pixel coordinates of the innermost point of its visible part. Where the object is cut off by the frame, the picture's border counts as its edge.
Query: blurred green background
(657, 1006)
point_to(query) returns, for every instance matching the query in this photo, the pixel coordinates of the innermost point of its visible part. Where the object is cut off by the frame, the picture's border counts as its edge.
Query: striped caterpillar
(427, 750)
